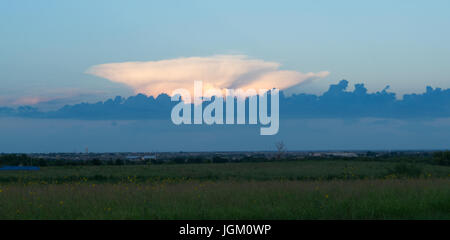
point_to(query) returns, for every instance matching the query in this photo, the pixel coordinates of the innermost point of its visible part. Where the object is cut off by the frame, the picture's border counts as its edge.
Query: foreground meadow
(277, 190)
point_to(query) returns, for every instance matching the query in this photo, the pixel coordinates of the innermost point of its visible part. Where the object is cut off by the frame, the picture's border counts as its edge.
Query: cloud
(52, 99)
(219, 71)
(27, 100)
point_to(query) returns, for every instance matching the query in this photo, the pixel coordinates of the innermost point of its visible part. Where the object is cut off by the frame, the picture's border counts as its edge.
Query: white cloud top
(220, 72)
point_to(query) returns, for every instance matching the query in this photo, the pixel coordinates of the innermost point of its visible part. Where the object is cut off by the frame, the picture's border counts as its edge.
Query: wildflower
(326, 195)
(61, 202)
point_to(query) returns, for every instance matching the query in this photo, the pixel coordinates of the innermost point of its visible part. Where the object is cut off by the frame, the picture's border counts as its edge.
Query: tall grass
(359, 199)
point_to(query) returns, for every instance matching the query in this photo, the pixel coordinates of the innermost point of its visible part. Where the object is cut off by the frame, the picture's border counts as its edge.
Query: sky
(48, 47)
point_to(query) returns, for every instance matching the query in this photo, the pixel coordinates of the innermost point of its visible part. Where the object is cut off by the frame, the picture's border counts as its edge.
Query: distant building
(344, 154)
(141, 158)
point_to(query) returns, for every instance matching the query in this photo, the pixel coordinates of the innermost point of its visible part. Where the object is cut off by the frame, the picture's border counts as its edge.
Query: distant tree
(442, 158)
(15, 160)
(219, 159)
(195, 160)
(281, 149)
(119, 162)
(96, 162)
(371, 154)
(42, 163)
(179, 160)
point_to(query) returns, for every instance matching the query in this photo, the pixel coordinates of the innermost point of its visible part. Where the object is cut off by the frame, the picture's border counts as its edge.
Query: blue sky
(46, 46)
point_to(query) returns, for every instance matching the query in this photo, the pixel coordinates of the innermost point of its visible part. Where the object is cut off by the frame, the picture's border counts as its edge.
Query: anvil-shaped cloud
(219, 72)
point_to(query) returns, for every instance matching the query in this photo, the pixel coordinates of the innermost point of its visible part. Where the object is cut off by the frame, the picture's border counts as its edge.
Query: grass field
(322, 189)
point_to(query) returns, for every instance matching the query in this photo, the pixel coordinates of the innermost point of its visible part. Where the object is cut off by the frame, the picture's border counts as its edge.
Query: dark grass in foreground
(355, 199)
(273, 190)
(263, 171)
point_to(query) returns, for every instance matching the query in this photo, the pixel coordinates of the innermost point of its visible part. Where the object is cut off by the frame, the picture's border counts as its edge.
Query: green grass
(359, 199)
(270, 190)
(295, 170)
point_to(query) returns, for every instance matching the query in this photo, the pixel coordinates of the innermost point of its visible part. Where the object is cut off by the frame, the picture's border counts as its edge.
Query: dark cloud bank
(337, 102)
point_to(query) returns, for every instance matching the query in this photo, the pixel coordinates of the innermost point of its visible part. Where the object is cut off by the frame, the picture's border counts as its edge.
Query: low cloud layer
(221, 71)
(336, 102)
